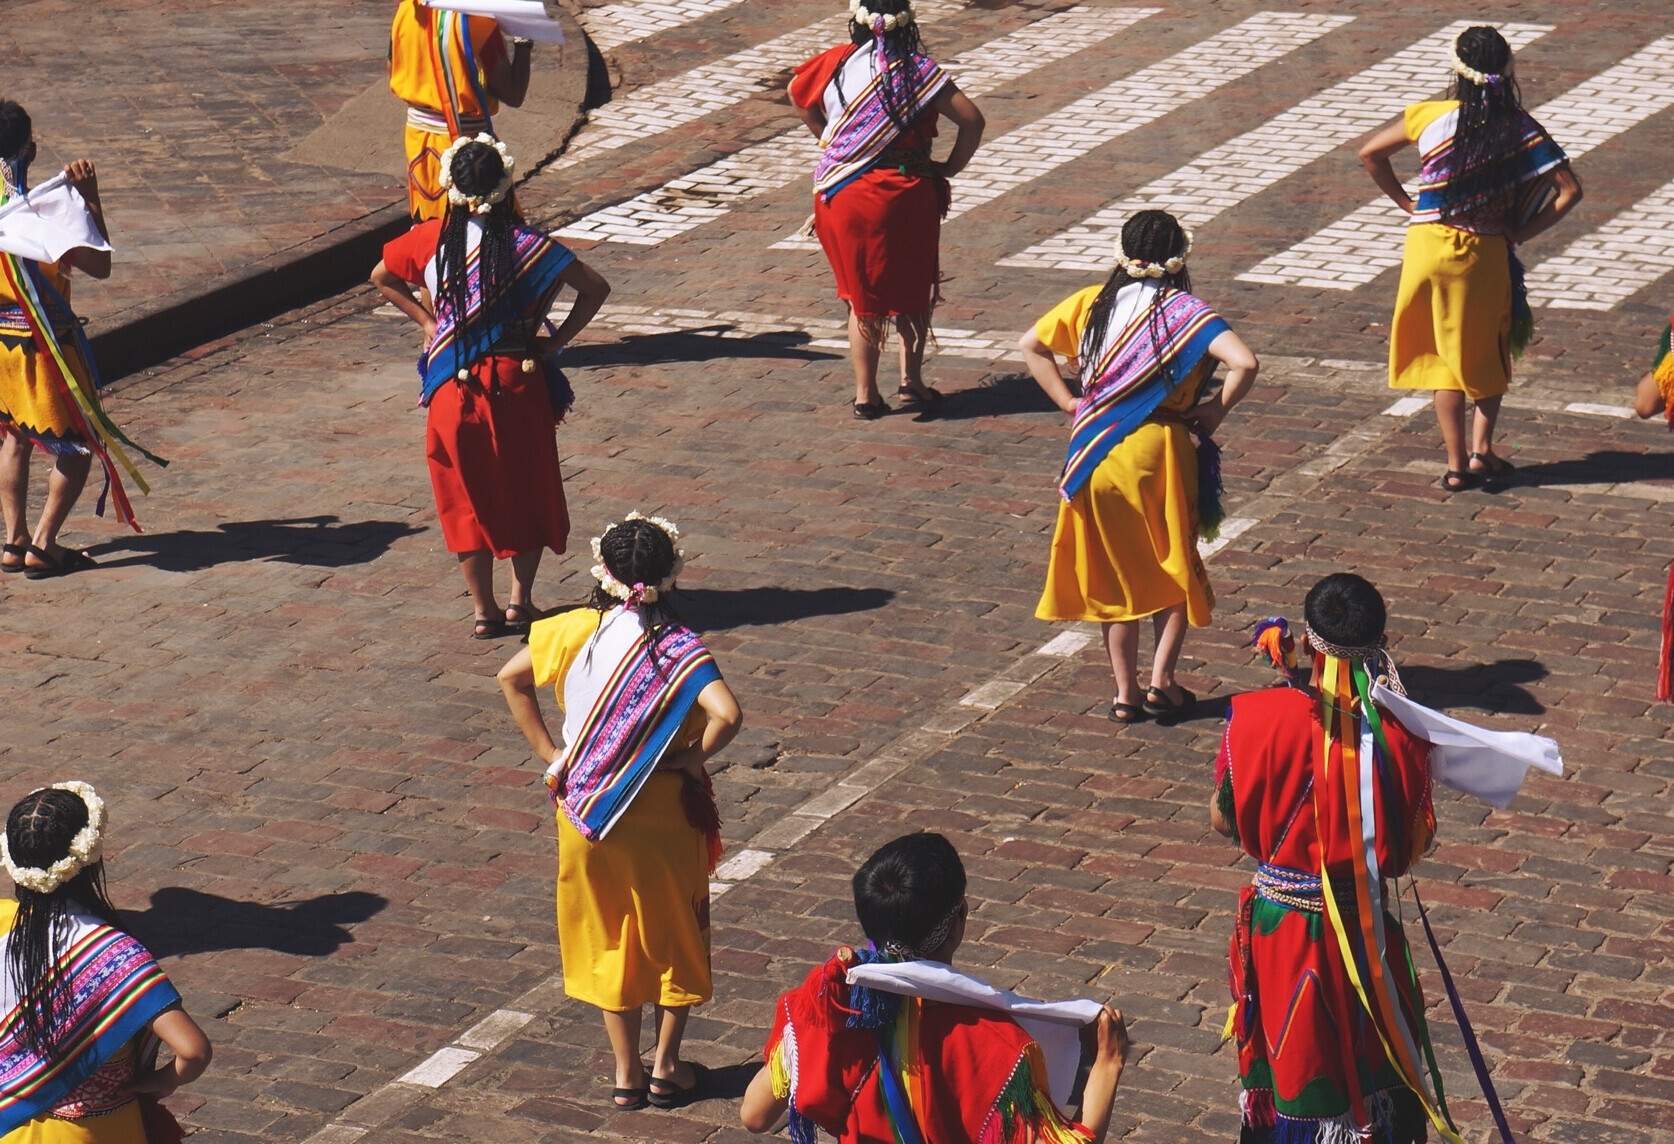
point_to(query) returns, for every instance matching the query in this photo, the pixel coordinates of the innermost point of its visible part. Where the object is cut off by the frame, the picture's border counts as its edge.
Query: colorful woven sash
(855, 141)
(450, 45)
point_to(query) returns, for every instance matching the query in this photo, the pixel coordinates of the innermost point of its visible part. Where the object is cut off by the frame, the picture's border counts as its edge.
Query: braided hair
(1152, 236)
(38, 833)
(477, 169)
(1483, 167)
(638, 552)
(896, 49)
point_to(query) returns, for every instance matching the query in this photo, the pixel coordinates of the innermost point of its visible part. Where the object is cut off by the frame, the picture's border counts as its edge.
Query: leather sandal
(17, 550)
(1158, 705)
(1127, 713)
(67, 561)
(490, 628)
(870, 410)
(520, 616)
(666, 1094)
(636, 1098)
(1455, 481)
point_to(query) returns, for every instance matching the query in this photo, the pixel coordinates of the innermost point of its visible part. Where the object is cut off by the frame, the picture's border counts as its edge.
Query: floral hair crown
(1480, 78)
(85, 847)
(879, 22)
(479, 204)
(636, 594)
(1140, 268)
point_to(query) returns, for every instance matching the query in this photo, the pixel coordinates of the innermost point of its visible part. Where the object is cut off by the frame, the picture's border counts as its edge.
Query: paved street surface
(325, 823)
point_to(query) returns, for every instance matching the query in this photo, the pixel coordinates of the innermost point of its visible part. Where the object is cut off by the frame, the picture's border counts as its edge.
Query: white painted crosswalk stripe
(1236, 170)
(1360, 246)
(1613, 263)
(613, 25)
(710, 192)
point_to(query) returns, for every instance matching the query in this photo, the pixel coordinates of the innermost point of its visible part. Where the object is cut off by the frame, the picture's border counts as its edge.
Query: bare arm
(1098, 1099)
(957, 106)
(812, 117)
(591, 290)
(761, 1111)
(1375, 155)
(93, 263)
(508, 79)
(1241, 369)
(725, 719)
(517, 684)
(1043, 367)
(1217, 820)
(191, 1049)
(401, 296)
(1647, 396)
(1566, 200)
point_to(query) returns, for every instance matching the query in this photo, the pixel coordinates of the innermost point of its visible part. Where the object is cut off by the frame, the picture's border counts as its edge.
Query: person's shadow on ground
(1608, 467)
(717, 609)
(1001, 396)
(706, 343)
(313, 541)
(182, 921)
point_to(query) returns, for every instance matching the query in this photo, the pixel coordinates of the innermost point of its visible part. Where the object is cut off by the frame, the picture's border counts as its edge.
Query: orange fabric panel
(411, 76)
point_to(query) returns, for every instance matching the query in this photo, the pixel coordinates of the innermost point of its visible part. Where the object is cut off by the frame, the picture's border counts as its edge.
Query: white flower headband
(1139, 268)
(85, 847)
(879, 21)
(637, 594)
(1480, 78)
(479, 204)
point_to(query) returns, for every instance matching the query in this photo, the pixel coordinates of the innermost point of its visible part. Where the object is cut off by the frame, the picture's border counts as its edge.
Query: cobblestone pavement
(326, 824)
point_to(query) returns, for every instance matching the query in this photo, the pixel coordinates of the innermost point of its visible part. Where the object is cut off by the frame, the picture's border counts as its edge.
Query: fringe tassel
(1663, 374)
(697, 799)
(801, 1129)
(871, 1008)
(1665, 672)
(1210, 511)
(1257, 1106)
(1272, 639)
(1522, 315)
(1392, 1122)
(1023, 1113)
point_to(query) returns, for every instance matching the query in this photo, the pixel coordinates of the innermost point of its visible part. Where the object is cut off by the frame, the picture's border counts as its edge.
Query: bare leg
(524, 565)
(1450, 416)
(1121, 642)
(623, 1030)
(14, 486)
(1482, 428)
(667, 1065)
(478, 567)
(64, 485)
(863, 356)
(915, 334)
(1169, 626)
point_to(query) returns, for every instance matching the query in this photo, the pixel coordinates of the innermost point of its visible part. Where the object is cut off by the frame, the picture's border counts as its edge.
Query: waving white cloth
(527, 18)
(1055, 1025)
(1490, 765)
(48, 222)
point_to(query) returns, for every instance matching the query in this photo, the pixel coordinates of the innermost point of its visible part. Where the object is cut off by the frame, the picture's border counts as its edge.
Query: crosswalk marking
(1073, 130)
(704, 90)
(628, 20)
(1360, 246)
(710, 192)
(1234, 171)
(1599, 270)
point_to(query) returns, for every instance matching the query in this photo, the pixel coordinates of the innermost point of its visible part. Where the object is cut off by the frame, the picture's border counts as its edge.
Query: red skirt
(882, 236)
(494, 461)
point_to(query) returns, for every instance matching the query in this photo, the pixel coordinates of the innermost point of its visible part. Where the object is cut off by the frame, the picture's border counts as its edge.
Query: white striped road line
(1599, 271)
(439, 1067)
(1593, 409)
(613, 25)
(1360, 246)
(711, 191)
(1406, 406)
(1065, 135)
(1234, 171)
(681, 99)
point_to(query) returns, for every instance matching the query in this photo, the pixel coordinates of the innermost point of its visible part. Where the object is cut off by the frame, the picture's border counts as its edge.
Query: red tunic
(490, 442)
(881, 232)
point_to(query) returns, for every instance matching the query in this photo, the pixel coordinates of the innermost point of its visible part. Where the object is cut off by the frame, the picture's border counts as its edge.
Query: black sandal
(870, 410)
(18, 550)
(926, 400)
(1126, 713)
(525, 614)
(638, 1098)
(1493, 465)
(490, 628)
(1454, 481)
(1160, 706)
(70, 560)
(674, 1096)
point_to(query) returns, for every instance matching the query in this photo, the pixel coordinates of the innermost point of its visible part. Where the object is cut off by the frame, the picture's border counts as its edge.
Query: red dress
(490, 441)
(881, 232)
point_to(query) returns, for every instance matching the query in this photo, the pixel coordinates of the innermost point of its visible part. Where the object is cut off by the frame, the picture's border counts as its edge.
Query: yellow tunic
(1125, 546)
(633, 908)
(414, 80)
(1452, 324)
(31, 400)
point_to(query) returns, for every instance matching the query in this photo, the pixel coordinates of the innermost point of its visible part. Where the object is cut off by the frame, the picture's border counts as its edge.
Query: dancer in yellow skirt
(1492, 178)
(1136, 489)
(638, 833)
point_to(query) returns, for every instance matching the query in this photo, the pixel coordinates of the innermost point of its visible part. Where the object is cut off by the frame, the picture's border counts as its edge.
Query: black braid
(477, 170)
(638, 552)
(38, 833)
(899, 46)
(1153, 236)
(1487, 142)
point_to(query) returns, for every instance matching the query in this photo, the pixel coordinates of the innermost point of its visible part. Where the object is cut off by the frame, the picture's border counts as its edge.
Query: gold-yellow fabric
(30, 402)
(1125, 546)
(412, 77)
(633, 908)
(1452, 324)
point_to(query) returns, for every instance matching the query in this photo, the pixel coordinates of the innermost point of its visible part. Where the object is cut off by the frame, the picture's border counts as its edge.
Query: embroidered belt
(14, 325)
(1300, 890)
(436, 123)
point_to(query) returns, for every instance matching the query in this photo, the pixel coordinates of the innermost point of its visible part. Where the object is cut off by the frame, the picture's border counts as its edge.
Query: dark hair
(1346, 610)
(15, 129)
(897, 48)
(1153, 236)
(38, 833)
(476, 170)
(1485, 159)
(907, 889)
(638, 552)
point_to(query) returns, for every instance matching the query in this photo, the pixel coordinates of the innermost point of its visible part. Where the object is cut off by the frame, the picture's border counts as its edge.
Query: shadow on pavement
(1005, 394)
(1610, 467)
(314, 541)
(182, 921)
(715, 609)
(701, 344)
(728, 1082)
(1484, 686)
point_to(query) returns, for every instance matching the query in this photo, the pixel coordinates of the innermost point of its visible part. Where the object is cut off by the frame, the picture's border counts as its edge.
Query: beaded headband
(1376, 656)
(1140, 268)
(1480, 78)
(931, 942)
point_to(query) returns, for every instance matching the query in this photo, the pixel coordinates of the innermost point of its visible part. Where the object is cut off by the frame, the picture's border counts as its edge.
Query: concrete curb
(328, 264)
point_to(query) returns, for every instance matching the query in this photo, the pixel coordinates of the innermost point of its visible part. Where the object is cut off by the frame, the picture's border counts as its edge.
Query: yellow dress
(412, 77)
(32, 403)
(1452, 324)
(633, 908)
(1125, 546)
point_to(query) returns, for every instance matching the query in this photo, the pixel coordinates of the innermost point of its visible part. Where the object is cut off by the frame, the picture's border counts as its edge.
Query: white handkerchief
(525, 18)
(1490, 765)
(1056, 1025)
(49, 222)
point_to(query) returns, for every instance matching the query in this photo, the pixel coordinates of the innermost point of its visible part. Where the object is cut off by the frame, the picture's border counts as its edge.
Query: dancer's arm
(401, 296)
(1566, 200)
(1241, 369)
(1110, 1055)
(957, 106)
(508, 77)
(591, 290)
(1217, 820)
(724, 720)
(1043, 367)
(191, 1049)
(760, 1110)
(1647, 396)
(517, 684)
(93, 263)
(812, 117)
(1375, 154)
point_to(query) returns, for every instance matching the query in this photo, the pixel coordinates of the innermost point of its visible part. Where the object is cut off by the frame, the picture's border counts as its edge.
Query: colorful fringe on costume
(1273, 639)
(1522, 314)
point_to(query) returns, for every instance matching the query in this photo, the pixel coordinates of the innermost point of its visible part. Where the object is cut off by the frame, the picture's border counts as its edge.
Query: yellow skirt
(124, 1126)
(34, 405)
(633, 908)
(425, 197)
(1125, 546)
(1452, 325)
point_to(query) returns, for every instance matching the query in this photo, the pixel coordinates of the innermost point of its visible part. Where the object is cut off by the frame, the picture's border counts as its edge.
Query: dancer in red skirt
(878, 196)
(492, 389)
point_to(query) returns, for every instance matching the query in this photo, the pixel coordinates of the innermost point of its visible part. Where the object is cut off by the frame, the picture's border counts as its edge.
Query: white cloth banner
(48, 222)
(1055, 1025)
(527, 18)
(1489, 765)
